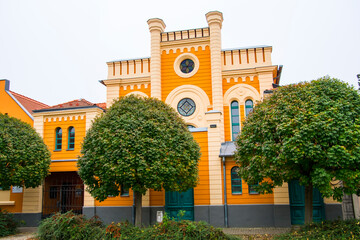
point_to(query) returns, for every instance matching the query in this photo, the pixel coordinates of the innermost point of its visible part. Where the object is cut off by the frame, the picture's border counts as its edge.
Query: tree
(306, 131)
(139, 143)
(24, 158)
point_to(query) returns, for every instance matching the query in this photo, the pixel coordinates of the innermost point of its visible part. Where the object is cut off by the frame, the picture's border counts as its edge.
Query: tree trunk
(138, 208)
(308, 204)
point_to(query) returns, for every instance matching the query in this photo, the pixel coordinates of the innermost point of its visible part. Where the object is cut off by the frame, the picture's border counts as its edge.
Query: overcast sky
(56, 51)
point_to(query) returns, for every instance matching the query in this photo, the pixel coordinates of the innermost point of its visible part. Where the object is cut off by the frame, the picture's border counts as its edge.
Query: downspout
(225, 195)
(133, 210)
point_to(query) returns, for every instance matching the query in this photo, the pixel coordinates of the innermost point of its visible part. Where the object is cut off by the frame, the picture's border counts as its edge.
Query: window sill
(236, 193)
(7, 203)
(124, 196)
(57, 150)
(70, 149)
(254, 193)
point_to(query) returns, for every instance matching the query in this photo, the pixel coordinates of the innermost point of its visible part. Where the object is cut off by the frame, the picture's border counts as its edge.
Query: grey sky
(56, 51)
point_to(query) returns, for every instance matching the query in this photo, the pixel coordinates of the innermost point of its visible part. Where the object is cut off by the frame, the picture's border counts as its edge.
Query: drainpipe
(225, 196)
(133, 210)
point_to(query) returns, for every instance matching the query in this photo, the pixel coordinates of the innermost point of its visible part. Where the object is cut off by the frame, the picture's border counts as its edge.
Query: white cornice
(127, 81)
(247, 71)
(57, 113)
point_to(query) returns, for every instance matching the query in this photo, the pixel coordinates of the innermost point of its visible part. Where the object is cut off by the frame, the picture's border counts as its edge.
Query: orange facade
(170, 80)
(10, 105)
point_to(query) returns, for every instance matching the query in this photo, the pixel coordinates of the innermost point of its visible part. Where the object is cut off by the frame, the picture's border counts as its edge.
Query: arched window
(236, 185)
(124, 192)
(248, 107)
(58, 138)
(235, 119)
(71, 138)
(252, 189)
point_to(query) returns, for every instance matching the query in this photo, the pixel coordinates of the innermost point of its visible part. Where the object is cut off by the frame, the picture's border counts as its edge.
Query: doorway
(177, 201)
(62, 192)
(297, 204)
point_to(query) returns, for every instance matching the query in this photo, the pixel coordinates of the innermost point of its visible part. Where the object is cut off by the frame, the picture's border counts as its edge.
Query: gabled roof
(74, 104)
(29, 104)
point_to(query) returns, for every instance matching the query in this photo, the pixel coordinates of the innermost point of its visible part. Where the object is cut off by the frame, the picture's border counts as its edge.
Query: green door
(297, 204)
(176, 201)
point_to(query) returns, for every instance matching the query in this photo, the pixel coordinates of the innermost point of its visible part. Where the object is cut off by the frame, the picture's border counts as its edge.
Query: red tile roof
(75, 104)
(28, 103)
(102, 105)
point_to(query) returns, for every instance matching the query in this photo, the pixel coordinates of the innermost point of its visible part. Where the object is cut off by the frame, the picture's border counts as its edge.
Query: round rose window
(186, 107)
(187, 66)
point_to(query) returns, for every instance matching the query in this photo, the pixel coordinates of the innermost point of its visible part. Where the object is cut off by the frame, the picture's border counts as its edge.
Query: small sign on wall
(17, 189)
(159, 216)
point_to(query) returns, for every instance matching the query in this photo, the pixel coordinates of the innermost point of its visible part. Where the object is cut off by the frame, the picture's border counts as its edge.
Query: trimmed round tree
(139, 144)
(24, 158)
(308, 132)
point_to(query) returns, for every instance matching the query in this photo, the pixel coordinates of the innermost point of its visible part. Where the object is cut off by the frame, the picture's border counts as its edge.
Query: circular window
(186, 107)
(187, 66)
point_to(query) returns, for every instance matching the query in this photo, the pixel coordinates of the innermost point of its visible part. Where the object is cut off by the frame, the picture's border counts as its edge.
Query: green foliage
(69, 226)
(8, 225)
(24, 158)
(307, 131)
(139, 143)
(168, 229)
(339, 229)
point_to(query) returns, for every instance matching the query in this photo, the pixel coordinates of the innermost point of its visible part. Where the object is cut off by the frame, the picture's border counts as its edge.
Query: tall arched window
(248, 107)
(236, 185)
(71, 138)
(235, 119)
(58, 138)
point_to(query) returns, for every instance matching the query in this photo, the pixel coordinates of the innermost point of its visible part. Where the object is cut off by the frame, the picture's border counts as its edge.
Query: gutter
(225, 195)
(277, 78)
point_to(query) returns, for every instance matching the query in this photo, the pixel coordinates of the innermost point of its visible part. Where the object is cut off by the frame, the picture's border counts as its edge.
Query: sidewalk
(28, 232)
(25, 233)
(255, 231)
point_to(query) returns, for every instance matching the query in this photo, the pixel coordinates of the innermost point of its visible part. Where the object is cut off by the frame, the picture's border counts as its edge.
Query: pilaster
(146, 199)
(39, 125)
(89, 201)
(112, 92)
(215, 20)
(156, 27)
(32, 200)
(213, 119)
(265, 81)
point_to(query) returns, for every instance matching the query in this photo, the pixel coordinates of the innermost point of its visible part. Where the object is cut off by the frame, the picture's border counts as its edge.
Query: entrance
(176, 201)
(297, 204)
(62, 192)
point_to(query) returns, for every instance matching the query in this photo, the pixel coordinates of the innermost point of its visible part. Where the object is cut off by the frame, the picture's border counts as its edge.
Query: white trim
(201, 129)
(65, 160)
(22, 107)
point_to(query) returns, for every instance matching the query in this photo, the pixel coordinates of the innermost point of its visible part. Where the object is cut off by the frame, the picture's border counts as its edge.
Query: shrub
(8, 225)
(76, 227)
(69, 226)
(168, 229)
(338, 229)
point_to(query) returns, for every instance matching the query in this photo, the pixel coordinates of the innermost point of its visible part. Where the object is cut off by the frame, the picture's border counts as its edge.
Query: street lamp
(358, 76)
